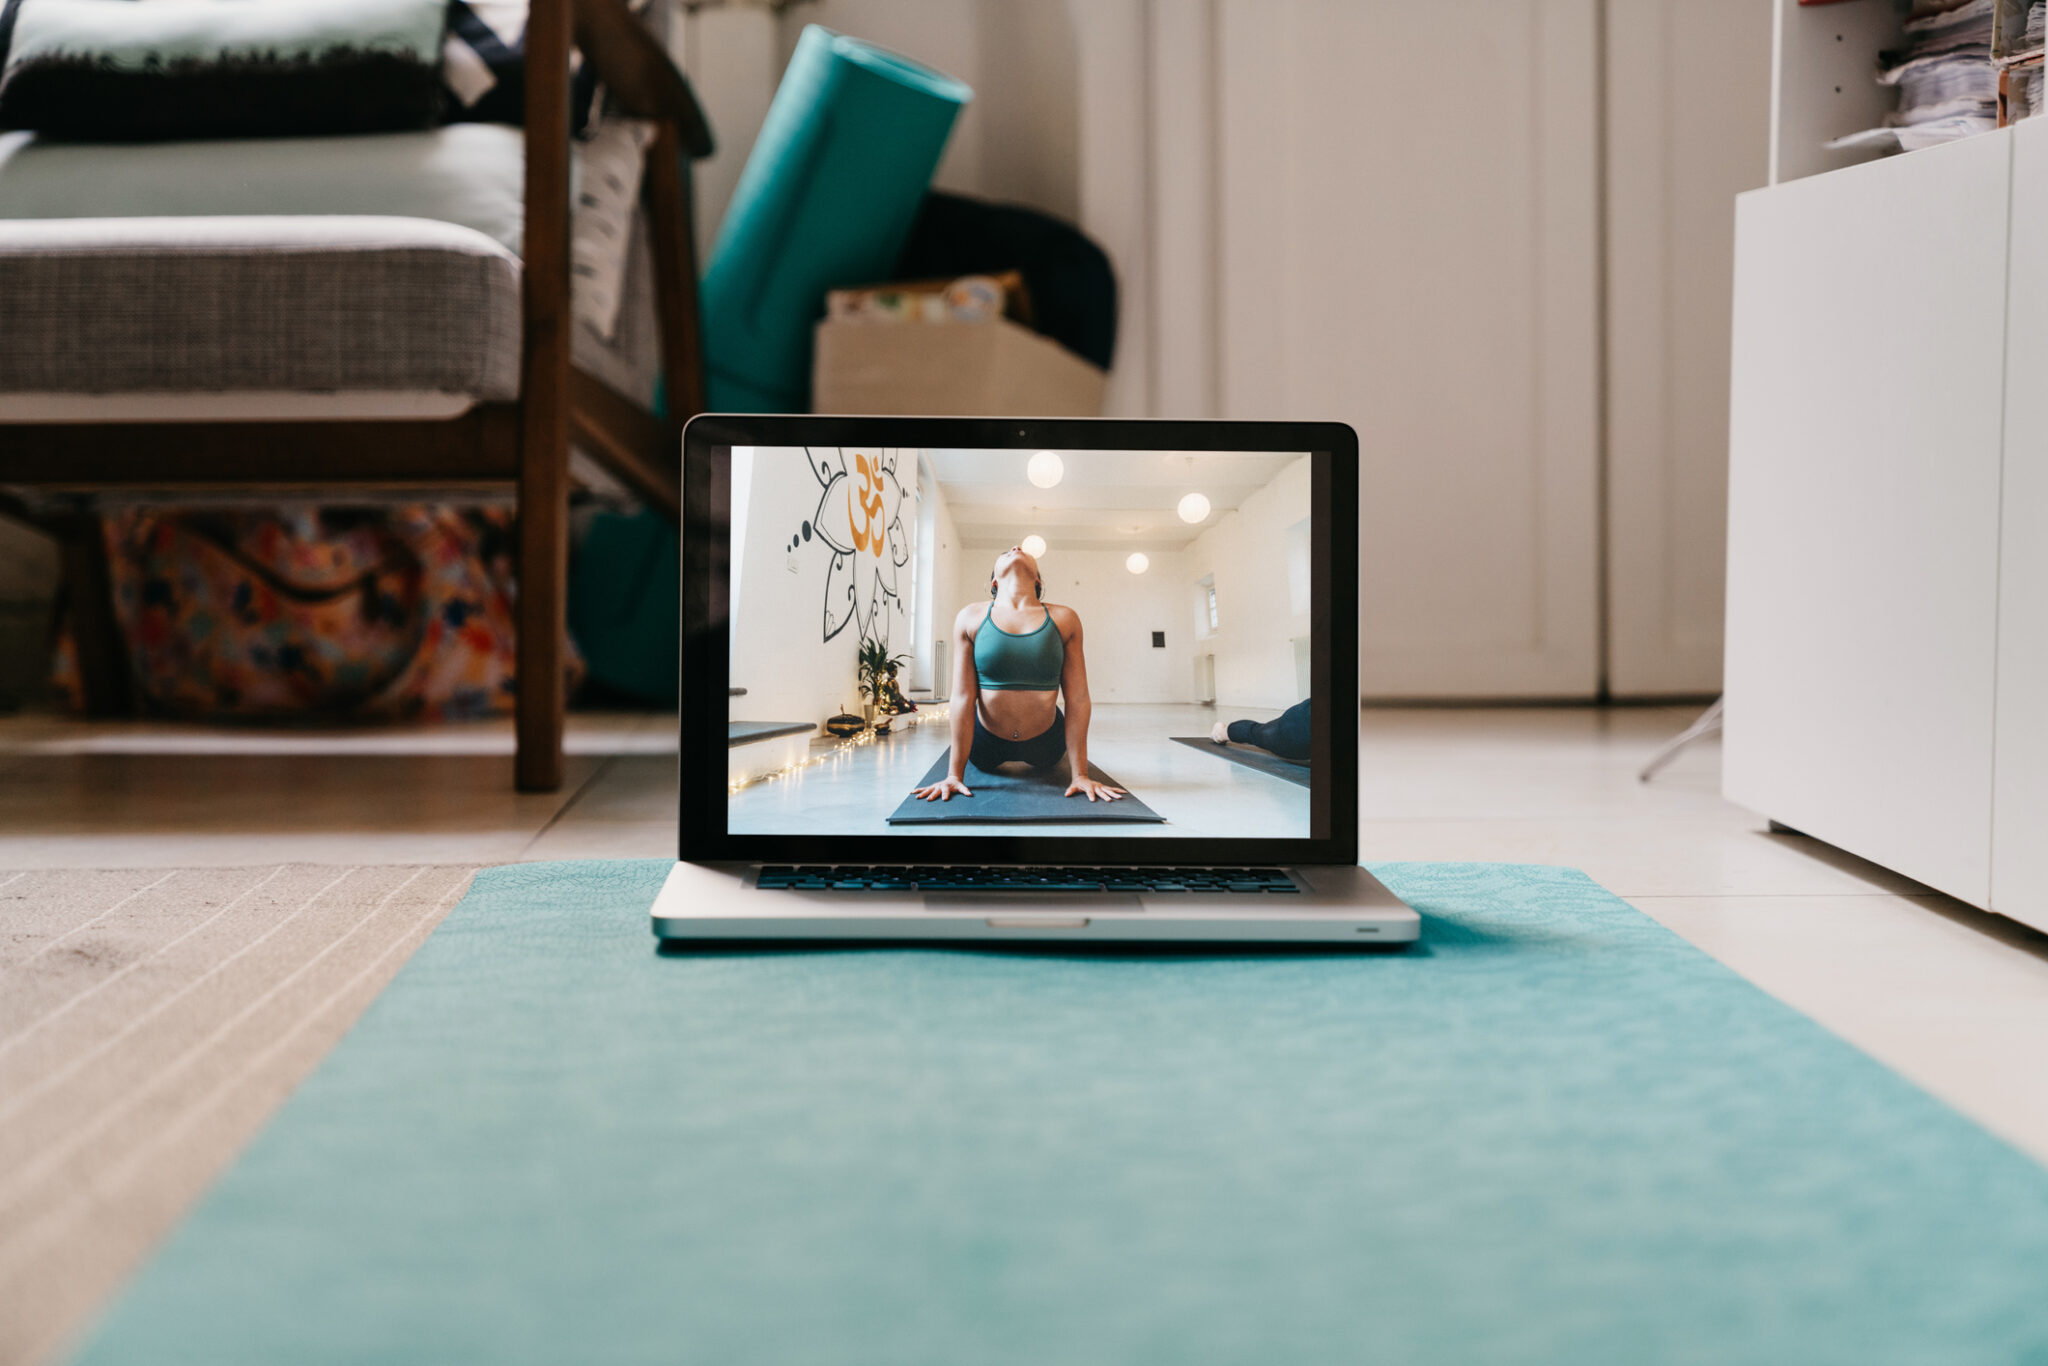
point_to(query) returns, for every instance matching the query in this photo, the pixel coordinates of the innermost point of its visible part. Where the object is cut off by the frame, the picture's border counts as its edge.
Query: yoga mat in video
(960, 642)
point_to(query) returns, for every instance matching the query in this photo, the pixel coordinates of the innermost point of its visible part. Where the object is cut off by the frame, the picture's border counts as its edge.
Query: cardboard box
(950, 370)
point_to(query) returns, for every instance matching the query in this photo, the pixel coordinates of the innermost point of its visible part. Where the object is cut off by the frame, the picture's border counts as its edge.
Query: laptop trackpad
(1028, 903)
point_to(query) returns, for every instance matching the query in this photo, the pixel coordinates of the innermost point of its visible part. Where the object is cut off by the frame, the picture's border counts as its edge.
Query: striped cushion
(118, 305)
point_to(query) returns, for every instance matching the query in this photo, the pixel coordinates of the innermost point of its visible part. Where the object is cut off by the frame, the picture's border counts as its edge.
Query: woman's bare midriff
(1018, 715)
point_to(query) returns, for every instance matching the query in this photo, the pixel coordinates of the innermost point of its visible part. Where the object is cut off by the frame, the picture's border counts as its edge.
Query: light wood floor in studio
(1955, 999)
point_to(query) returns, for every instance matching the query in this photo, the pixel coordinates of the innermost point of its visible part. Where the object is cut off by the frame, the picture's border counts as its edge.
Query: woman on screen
(1016, 655)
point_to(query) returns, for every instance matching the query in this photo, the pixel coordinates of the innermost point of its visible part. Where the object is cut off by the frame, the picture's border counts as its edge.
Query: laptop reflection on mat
(981, 582)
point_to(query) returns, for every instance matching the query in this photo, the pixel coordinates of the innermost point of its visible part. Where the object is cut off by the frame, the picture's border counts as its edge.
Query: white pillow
(609, 166)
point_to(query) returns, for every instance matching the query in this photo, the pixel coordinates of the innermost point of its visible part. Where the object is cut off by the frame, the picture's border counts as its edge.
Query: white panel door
(2019, 844)
(1864, 507)
(1688, 128)
(1409, 228)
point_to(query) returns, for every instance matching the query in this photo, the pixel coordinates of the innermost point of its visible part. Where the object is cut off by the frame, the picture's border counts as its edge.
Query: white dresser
(1887, 657)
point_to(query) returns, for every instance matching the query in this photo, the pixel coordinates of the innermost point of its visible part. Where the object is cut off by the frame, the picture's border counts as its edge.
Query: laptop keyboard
(833, 877)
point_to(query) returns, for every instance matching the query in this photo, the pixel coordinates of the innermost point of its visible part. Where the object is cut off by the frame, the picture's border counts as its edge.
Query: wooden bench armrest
(637, 71)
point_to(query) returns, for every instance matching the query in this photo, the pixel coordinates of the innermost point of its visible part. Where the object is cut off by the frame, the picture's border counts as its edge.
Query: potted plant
(875, 668)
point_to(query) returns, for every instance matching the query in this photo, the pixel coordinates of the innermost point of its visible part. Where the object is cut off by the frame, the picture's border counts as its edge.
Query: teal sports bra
(1012, 661)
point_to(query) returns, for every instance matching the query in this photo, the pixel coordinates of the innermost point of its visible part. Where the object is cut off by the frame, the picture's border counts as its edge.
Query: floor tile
(106, 810)
(1641, 857)
(1954, 998)
(603, 839)
(631, 787)
(588, 733)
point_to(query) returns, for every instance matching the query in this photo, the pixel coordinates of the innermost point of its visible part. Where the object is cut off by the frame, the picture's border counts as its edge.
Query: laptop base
(1335, 904)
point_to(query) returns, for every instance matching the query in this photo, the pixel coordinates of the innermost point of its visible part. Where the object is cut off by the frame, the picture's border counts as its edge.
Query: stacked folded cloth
(1948, 87)
(2028, 85)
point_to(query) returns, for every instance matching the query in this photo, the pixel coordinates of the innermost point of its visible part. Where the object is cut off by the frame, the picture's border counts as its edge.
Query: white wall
(1688, 127)
(1119, 612)
(1019, 140)
(937, 591)
(779, 654)
(1283, 251)
(1256, 626)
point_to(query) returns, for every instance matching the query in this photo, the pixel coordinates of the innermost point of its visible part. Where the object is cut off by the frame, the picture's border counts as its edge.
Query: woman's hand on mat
(942, 790)
(1095, 792)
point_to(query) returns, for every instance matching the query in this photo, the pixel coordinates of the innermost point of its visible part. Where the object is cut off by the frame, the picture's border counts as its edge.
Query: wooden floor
(1953, 998)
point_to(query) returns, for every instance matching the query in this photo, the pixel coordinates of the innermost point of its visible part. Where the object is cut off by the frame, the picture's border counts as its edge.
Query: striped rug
(150, 1021)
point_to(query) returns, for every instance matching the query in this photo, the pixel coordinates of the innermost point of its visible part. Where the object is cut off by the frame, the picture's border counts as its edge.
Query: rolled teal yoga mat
(826, 200)
(1552, 1133)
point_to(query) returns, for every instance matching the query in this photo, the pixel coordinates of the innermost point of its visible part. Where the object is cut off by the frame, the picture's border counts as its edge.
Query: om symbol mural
(860, 522)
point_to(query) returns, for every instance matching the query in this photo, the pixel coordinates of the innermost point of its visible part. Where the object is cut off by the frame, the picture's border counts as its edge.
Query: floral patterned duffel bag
(303, 612)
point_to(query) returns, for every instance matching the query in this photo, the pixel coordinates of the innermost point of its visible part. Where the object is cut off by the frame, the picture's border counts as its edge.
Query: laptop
(988, 679)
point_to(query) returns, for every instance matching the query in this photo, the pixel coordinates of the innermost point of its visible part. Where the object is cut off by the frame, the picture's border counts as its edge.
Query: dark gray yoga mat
(1250, 756)
(1017, 796)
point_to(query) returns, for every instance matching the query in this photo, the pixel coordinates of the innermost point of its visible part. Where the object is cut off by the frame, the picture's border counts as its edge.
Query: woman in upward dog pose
(1015, 655)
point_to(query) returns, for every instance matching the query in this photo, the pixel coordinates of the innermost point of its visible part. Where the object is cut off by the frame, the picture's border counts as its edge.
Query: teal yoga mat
(826, 200)
(1552, 1133)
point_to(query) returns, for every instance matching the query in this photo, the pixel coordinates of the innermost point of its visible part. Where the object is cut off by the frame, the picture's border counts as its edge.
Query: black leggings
(1286, 735)
(1043, 750)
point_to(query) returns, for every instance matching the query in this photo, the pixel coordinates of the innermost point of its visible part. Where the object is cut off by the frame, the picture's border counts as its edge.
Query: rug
(1249, 756)
(1020, 796)
(1553, 1132)
(150, 1021)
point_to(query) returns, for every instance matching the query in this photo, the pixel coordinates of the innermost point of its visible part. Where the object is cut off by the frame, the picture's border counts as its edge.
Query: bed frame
(523, 445)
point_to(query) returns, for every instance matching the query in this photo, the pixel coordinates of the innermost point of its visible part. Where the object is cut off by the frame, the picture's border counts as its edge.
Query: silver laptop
(1020, 679)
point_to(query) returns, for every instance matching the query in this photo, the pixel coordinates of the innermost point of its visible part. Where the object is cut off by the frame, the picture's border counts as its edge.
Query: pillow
(119, 71)
(483, 66)
(608, 175)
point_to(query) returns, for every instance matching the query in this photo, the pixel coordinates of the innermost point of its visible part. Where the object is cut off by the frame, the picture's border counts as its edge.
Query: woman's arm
(1074, 687)
(966, 696)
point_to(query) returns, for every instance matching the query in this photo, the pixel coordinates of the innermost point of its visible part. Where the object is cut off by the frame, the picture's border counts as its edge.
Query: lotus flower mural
(859, 523)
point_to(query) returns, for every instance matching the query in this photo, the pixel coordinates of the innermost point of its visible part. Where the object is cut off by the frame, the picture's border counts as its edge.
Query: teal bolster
(1018, 661)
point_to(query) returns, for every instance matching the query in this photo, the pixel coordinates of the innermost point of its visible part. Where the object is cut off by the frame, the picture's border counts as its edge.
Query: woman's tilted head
(1018, 565)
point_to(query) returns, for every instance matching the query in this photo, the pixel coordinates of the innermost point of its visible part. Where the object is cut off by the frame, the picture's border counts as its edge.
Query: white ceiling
(1107, 500)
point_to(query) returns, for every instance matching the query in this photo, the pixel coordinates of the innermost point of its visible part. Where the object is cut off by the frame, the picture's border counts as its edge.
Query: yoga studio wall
(1256, 556)
(839, 549)
(823, 558)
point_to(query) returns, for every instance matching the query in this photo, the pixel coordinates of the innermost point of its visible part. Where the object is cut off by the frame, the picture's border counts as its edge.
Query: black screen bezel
(706, 655)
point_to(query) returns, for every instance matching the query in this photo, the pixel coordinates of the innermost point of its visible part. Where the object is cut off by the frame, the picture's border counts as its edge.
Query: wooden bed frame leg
(95, 629)
(543, 624)
(544, 404)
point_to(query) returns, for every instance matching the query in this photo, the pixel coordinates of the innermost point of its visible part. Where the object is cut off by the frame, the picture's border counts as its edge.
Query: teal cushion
(116, 70)
(625, 604)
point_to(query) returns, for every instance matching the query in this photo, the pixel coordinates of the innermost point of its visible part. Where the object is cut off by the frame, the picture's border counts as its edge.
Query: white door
(1863, 507)
(1408, 242)
(1688, 128)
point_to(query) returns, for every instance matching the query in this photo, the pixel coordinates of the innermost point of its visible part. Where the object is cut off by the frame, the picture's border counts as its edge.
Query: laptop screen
(1036, 643)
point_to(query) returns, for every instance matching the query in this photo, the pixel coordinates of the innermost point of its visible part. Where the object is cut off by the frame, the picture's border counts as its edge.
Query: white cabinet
(2019, 843)
(1888, 504)
(1865, 449)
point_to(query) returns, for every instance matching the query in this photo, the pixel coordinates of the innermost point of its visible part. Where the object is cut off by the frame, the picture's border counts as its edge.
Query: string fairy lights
(837, 751)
